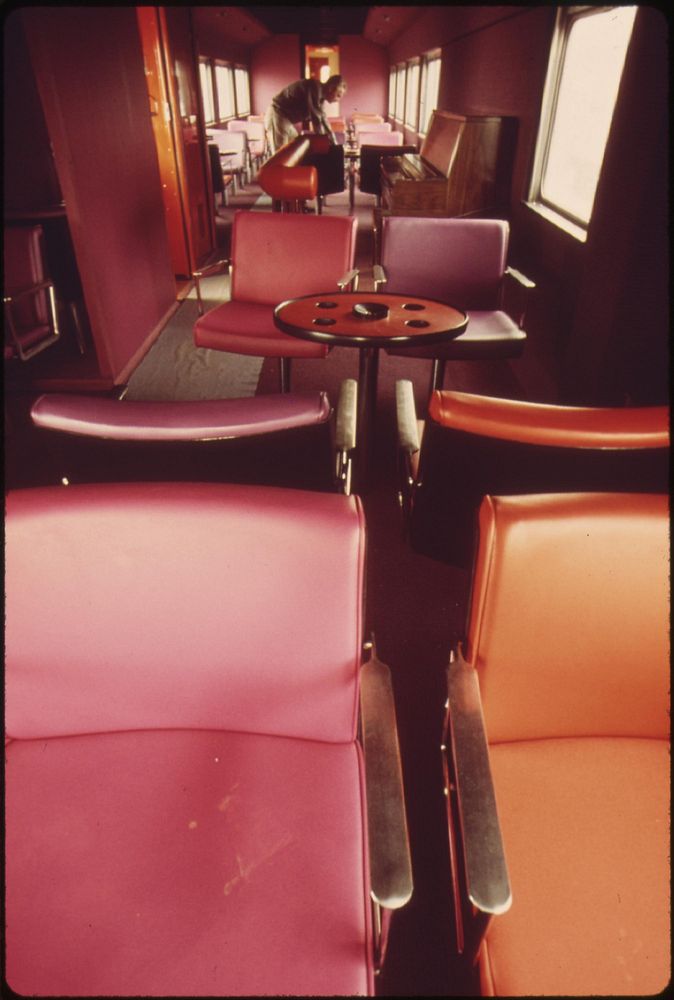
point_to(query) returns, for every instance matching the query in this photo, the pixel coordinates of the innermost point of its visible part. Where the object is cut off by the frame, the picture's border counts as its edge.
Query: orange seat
(568, 641)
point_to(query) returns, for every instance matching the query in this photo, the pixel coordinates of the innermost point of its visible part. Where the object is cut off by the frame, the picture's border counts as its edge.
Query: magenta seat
(179, 420)
(185, 807)
(462, 262)
(277, 257)
(283, 439)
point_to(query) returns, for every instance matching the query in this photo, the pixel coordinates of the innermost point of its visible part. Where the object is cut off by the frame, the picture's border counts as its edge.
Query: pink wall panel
(274, 64)
(364, 66)
(89, 68)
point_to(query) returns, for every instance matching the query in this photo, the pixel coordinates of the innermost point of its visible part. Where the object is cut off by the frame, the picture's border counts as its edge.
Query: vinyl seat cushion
(586, 835)
(195, 866)
(489, 335)
(248, 328)
(183, 420)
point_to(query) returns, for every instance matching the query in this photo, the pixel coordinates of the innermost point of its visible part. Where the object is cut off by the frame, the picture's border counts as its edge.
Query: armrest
(486, 873)
(524, 286)
(26, 352)
(350, 278)
(345, 432)
(379, 276)
(408, 428)
(388, 840)
(409, 444)
(202, 272)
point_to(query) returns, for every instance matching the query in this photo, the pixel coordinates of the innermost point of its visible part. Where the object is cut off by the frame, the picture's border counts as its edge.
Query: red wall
(89, 68)
(365, 68)
(274, 64)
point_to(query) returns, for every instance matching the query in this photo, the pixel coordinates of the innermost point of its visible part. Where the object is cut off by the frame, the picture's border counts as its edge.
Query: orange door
(190, 143)
(160, 113)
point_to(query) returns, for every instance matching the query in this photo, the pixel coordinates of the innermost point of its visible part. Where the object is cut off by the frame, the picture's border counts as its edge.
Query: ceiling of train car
(319, 25)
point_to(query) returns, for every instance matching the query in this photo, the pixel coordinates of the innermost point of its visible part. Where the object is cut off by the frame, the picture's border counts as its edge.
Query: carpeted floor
(174, 368)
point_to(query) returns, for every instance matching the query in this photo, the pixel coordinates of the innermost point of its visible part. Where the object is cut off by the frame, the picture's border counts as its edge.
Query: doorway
(320, 63)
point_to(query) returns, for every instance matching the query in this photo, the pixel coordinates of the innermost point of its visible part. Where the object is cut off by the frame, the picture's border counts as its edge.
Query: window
(428, 96)
(583, 78)
(206, 81)
(392, 92)
(242, 92)
(224, 88)
(412, 99)
(400, 93)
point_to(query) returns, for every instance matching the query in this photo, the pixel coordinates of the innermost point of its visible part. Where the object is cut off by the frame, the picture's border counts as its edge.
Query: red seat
(277, 257)
(185, 794)
(462, 262)
(567, 657)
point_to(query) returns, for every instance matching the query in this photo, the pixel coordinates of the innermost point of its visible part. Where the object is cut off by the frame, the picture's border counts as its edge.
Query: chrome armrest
(53, 322)
(485, 870)
(408, 428)
(409, 444)
(350, 278)
(345, 432)
(203, 272)
(379, 276)
(388, 839)
(524, 285)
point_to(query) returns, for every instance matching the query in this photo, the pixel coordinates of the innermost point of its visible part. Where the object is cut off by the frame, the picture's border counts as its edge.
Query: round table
(329, 318)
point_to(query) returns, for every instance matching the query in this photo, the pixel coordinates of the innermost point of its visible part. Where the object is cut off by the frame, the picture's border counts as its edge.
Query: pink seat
(567, 658)
(277, 257)
(31, 318)
(462, 262)
(286, 439)
(185, 794)
(373, 137)
(255, 131)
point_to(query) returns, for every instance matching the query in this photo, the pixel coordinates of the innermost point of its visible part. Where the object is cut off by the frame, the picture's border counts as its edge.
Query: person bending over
(301, 101)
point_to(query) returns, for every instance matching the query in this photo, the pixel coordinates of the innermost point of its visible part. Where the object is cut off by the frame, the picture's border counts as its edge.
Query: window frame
(221, 64)
(238, 70)
(413, 69)
(561, 216)
(416, 119)
(206, 69)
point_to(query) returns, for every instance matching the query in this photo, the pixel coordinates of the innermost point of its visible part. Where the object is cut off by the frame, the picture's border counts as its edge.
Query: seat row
(192, 807)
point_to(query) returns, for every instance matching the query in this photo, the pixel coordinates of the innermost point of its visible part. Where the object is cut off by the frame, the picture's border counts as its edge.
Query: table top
(329, 318)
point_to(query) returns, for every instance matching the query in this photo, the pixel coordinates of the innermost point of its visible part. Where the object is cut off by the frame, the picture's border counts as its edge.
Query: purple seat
(186, 805)
(276, 257)
(462, 262)
(31, 319)
(279, 438)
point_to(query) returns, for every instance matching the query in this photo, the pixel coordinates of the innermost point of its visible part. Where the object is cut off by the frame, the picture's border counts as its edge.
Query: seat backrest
(24, 267)
(227, 142)
(373, 138)
(461, 261)
(372, 126)
(253, 129)
(568, 625)
(282, 256)
(193, 606)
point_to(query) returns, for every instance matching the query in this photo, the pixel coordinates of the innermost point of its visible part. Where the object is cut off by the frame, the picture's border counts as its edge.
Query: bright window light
(593, 49)
(242, 92)
(206, 90)
(224, 84)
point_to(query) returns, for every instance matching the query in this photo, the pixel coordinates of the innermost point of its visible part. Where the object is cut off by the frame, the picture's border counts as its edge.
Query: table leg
(368, 369)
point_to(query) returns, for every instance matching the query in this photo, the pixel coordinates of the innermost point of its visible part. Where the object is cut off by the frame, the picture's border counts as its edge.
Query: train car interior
(336, 458)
